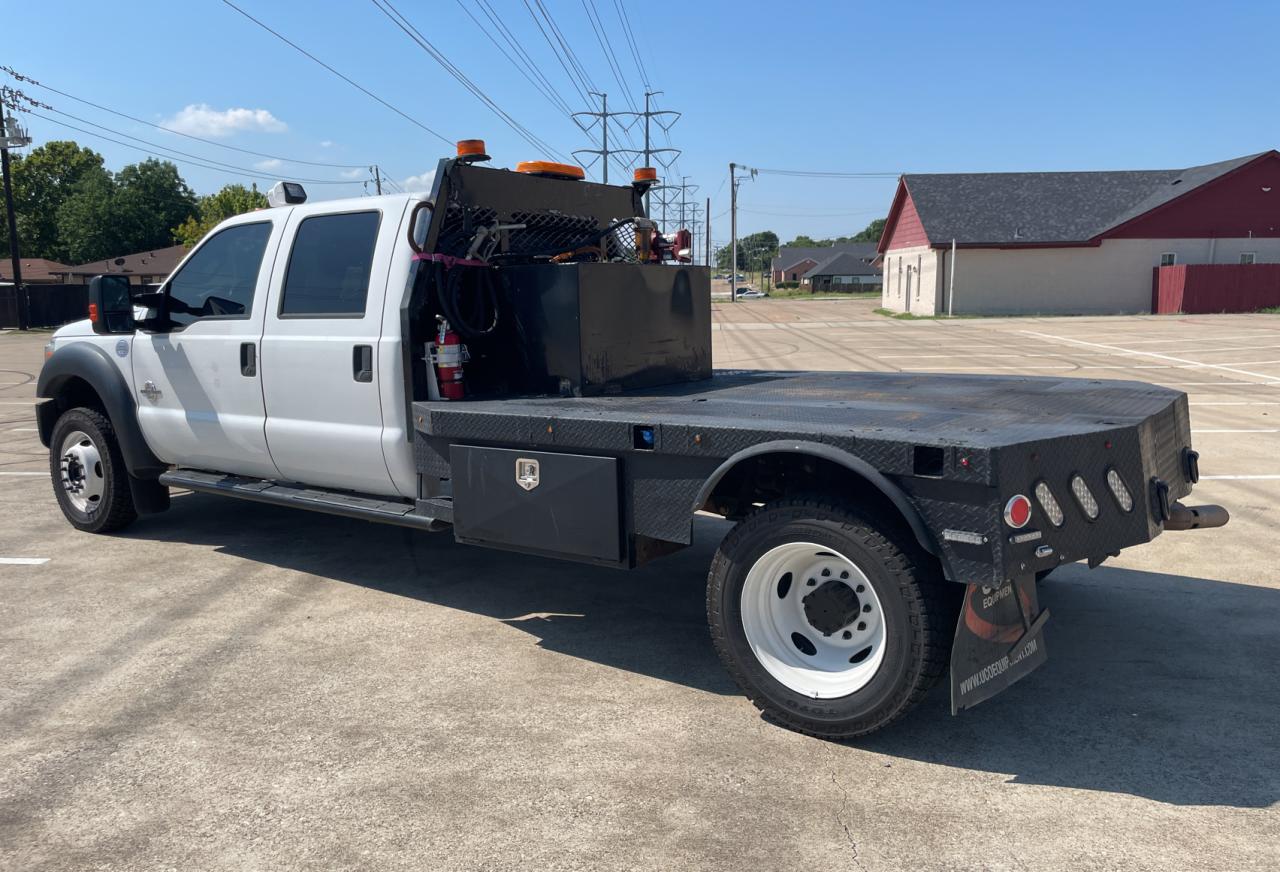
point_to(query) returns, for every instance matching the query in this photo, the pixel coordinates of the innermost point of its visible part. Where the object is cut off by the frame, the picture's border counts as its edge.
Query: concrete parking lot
(235, 686)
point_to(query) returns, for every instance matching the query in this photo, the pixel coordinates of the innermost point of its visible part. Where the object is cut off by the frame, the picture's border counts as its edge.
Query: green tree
(86, 221)
(215, 208)
(151, 199)
(871, 233)
(754, 252)
(42, 181)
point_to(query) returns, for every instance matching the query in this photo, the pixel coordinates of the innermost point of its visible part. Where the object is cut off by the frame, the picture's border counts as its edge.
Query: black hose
(467, 312)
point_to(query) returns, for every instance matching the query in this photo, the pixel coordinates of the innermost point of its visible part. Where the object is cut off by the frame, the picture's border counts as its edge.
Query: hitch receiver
(1196, 517)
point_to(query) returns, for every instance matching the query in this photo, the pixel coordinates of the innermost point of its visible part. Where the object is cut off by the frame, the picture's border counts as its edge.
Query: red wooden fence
(1202, 288)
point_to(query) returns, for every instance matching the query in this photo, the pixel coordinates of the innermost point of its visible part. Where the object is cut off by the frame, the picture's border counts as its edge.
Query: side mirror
(110, 305)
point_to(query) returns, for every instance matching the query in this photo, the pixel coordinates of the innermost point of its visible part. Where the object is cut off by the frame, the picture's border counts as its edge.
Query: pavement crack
(842, 817)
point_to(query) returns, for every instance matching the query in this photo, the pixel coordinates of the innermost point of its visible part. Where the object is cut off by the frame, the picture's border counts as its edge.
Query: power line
(538, 82)
(28, 79)
(818, 174)
(582, 92)
(398, 19)
(361, 88)
(198, 163)
(593, 16)
(186, 154)
(632, 43)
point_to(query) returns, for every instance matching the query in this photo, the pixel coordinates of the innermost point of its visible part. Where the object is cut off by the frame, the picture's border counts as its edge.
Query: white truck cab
(284, 360)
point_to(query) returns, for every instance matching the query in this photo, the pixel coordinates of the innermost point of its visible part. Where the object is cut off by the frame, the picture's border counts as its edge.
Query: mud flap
(999, 639)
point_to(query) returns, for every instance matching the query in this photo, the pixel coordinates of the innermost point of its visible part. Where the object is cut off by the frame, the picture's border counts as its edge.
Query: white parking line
(1242, 477)
(23, 561)
(1235, 431)
(45, 474)
(1236, 403)
(24, 430)
(1116, 349)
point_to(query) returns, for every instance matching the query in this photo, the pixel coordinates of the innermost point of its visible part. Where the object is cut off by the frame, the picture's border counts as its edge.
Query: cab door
(198, 385)
(319, 349)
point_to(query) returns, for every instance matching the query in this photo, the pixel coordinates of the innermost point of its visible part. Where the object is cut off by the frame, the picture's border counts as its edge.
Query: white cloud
(326, 143)
(268, 164)
(201, 119)
(356, 173)
(420, 184)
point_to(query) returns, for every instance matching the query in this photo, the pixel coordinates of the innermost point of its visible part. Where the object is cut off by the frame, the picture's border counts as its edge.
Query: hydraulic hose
(473, 314)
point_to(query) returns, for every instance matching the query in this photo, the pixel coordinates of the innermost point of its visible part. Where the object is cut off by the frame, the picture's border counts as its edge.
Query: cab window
(328, 274)
(218, 281)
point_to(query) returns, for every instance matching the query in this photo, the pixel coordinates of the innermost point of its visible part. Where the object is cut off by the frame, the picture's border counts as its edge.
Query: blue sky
(852, 87)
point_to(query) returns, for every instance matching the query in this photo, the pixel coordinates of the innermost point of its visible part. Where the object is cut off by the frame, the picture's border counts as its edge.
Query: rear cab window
(329, 266)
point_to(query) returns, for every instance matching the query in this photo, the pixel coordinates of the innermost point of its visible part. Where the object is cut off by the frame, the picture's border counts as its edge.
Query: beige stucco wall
(1112, 278)
(914, 269)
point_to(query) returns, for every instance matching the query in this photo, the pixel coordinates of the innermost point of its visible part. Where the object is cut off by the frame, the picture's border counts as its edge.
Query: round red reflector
(1017, 512)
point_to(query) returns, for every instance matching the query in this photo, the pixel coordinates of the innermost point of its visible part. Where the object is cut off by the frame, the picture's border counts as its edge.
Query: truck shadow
(1157, 685)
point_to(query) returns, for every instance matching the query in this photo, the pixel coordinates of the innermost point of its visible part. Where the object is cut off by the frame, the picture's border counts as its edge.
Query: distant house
(1071, 242)
(142, 268)
(851, 270)
(35, 271)
(793, 262)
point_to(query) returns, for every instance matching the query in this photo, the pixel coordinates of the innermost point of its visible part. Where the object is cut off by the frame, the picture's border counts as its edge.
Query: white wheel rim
(81, 466)
(775, 613)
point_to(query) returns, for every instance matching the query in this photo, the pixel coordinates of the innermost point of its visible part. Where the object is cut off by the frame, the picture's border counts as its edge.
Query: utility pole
(734, 178)
(377, 179)
(603, 115)
(733, 233)
(707, 229)
(648, 152)
(13, 137)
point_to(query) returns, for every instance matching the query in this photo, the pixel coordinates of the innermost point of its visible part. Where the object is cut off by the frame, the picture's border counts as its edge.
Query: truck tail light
(1084, 497)
(1017, 512)
(1048, 502)
(1124, 499)
(93, 313)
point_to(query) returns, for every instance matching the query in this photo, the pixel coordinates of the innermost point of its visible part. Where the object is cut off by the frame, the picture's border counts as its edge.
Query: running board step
(348, 505)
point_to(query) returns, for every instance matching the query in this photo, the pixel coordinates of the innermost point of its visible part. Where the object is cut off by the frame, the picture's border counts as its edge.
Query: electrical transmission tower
(649, 152)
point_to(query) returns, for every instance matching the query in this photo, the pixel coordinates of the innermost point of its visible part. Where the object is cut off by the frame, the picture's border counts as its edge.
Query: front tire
(90, 480)
(832, 623)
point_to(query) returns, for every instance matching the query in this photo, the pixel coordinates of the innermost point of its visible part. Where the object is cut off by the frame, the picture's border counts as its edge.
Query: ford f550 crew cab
(523, 360)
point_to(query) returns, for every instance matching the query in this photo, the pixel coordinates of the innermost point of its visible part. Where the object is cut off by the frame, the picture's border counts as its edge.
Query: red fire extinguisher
(449, 356)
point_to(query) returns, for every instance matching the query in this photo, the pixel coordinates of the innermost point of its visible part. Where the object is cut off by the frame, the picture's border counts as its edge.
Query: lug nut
(847, 634)
(860, 588)
(844, 574)
(862, 625)
(826, 572)
(867, 607)
(811, 582)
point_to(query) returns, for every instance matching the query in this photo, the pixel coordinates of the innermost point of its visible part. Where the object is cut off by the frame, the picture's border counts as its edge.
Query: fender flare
(854, 464)
(86, 361)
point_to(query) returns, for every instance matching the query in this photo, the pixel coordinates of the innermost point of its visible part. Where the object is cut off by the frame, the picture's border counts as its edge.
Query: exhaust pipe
(1196, 517)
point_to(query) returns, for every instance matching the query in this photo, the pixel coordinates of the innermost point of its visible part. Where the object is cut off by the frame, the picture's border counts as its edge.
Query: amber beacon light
(471, 150)
(550, 169)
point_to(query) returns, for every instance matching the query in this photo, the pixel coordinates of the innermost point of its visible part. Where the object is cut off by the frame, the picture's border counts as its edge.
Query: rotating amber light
(645, 174)
(472, 149)
(550, 169)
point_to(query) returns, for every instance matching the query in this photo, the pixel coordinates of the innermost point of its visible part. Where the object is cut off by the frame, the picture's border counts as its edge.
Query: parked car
(750, 294)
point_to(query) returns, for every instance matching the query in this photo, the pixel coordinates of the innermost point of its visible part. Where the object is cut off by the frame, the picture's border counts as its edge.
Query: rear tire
(90, 480)
(832, 623)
